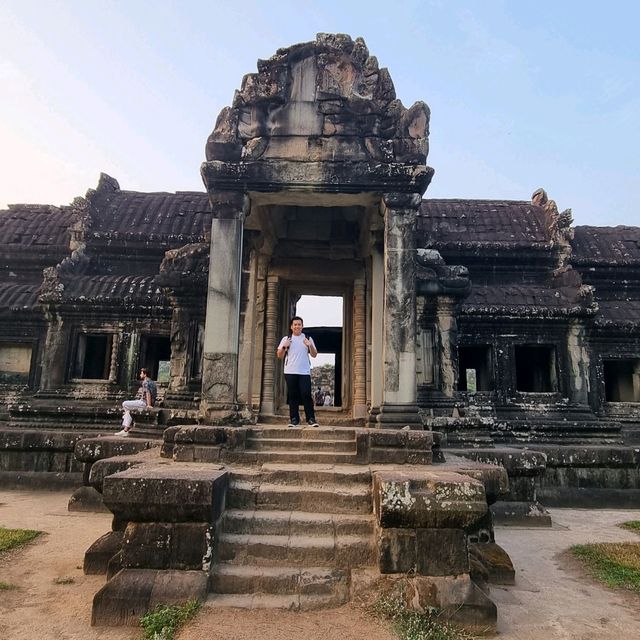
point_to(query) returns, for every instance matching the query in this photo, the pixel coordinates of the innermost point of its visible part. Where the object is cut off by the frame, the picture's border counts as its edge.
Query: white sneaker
(124, 433)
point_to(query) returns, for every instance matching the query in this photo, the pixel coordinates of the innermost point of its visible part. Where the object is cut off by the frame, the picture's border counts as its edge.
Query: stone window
(155, 356)
(93, 356)
(15, 363)
(622, 380)
(536, 368)
(475, 368)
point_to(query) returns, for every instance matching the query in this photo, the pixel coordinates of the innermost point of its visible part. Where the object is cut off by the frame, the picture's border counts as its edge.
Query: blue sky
(523, 94)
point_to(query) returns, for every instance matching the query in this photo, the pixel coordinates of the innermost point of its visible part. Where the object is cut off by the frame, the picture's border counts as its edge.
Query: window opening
(474, 367)
(622, 380)
(536, 368)
(155, 356)
(15, 363)
(93, 356)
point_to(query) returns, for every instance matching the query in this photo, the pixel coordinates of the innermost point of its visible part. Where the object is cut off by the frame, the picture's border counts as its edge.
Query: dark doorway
(536, 368)
(619, 380)
(475, 368)
(155, 356)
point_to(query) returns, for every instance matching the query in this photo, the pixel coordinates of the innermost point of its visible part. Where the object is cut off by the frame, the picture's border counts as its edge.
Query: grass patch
(412, 625)
(616, 564)
(163, 622)
(64, 580)
(5, 586)
(632, 525)
(11, 538)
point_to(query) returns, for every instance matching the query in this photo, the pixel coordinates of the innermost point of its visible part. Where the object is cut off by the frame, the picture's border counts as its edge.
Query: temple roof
(526, 300)
(510, 223)
(183, 216)
(35, 225)
(606, 245)
(620, 313)
(106, 289)
(18, 296)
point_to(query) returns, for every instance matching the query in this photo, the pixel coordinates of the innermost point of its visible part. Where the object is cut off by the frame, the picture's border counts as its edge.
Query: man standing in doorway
(296, 349)
(146, 398)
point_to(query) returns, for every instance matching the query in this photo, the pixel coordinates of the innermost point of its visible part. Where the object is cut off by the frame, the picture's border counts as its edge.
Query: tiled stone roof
(481, 222)
(18, 296)
(621, 313)
(35, 225)
(185, 216)
(96, 289)
(524, 300)
(606, 245)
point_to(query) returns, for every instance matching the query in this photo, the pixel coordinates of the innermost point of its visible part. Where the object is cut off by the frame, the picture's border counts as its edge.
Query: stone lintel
(332, 177)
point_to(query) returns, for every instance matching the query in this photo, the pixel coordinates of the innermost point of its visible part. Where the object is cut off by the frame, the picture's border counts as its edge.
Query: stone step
(298, 523)
(300, 444)
(281, 580)
(304, 433)
(308, 474)
(272, 550)
(305, 457)
(293, 602)
(329, 499)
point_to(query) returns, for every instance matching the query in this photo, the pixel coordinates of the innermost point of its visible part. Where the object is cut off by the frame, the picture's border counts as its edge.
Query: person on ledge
(146, 398)
(296, 349)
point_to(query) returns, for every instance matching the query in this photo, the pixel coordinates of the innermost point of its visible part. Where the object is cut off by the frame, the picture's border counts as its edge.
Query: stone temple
(488, 362)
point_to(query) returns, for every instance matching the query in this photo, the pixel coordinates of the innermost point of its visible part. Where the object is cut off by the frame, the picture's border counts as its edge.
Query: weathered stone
(166, 494)
(427, 499)
(86, 499)
(495, 561)
(133, 592)
(100, 553)
(441, 552)
(397, 550)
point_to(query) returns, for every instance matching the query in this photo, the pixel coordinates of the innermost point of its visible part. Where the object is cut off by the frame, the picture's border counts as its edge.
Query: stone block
(102, 468)
(86, 499)
(100, 553)
(183, 452)
(92, 449)
(161, 545)
(427, 499)
(396, 550)
(167, 493)
(387, 455)
(441, 552)
(457, 599)
(525, 514)
(495, 561)
(133, 592)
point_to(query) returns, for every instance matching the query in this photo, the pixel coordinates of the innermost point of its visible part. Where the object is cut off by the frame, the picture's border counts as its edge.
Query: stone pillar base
(398, 416)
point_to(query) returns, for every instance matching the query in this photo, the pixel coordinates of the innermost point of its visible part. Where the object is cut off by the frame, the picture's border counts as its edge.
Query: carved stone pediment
(326, 100)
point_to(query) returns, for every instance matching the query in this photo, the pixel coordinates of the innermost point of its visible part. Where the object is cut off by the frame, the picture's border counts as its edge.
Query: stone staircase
(291, 533)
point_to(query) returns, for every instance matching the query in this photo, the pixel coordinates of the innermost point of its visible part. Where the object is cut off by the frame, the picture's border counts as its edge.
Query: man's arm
(282, 348)
(147, 398)
(313, 352)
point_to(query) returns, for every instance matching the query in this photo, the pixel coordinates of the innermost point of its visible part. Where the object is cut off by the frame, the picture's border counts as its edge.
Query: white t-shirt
(296, 360)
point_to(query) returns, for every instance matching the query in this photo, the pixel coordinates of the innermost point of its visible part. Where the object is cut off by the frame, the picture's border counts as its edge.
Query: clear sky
(523, 94)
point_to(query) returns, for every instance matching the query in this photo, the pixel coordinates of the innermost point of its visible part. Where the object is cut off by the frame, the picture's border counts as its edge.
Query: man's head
(296, 325)
(144, 373)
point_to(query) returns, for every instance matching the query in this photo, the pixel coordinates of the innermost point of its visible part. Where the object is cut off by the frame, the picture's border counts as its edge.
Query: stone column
(448, 339)
(359, 350)
(179, 378)
(578, 358)
(220, 361)
(54, 353)
(399, 396)
(271, 342)
(377, 329)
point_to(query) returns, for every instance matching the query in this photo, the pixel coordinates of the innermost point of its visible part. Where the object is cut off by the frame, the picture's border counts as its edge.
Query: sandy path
(548, 602)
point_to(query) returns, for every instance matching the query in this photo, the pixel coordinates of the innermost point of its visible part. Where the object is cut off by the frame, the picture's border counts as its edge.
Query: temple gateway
(475, 333)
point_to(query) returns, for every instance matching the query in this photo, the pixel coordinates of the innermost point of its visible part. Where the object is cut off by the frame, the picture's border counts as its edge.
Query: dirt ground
(552, 598)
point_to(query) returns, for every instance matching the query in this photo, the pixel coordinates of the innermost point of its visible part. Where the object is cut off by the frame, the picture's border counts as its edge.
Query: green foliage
(615, 564)
(632, 525)
(412, 625)
(163, 622)
(11, 538)
(5, 586)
